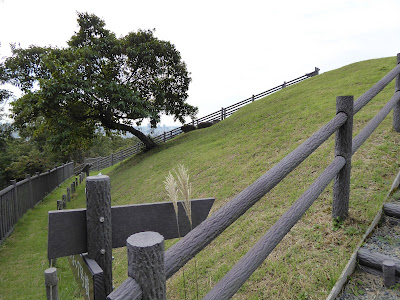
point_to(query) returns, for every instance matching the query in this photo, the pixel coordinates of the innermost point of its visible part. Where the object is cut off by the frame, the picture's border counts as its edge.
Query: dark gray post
(76, 181)
(343, 147)
(98, 219)
(32, 204)
(59, 205)
(51, 283)
(396, 109)
(388, 268)
(64, 201)
(146, 263)
(284, 84)
(112, 159)
(222, 113)
(73, 187)
(68, 194)
(15, 205)
(252, 98)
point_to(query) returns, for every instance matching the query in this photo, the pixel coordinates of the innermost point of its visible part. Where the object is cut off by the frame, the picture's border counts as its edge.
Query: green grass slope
(229, 156)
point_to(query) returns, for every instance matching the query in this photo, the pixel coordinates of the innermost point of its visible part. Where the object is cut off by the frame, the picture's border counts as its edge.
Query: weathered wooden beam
(343, 148)
(51, 283)
(128, 290)
(98, 225)
(67, 228)
(392, 210)
(146, 263)
(376, 259)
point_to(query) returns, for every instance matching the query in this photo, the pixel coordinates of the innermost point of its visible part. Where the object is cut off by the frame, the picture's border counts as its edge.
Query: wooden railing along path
(20, 196)
(99, 163)
(339, 171)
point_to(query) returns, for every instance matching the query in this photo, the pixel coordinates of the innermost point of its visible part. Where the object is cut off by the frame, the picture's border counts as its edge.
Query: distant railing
(16, 199)
(99, 163)
(338, 171)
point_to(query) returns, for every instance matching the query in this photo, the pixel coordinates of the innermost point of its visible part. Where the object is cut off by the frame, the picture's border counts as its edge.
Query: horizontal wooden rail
(237, 276)
(180, 253)
(374, 123)
(375, 89)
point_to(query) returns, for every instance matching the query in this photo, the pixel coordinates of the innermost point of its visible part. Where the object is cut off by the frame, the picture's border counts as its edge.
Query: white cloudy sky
(233, 49)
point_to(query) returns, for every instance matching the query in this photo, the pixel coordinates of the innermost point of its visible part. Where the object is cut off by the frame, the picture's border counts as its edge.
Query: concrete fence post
(343, 147)
(252, 98)
(146, 263)
(396, 109)
(51, 283)
(98, 225)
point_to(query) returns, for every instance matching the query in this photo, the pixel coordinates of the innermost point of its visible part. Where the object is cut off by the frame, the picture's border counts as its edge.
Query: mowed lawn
(222, 161)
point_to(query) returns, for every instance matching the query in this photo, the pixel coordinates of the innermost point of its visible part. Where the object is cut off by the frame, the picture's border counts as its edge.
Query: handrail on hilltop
(339, 171)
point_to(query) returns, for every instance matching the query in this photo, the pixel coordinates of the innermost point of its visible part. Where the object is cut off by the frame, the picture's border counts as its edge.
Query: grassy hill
(226, 158)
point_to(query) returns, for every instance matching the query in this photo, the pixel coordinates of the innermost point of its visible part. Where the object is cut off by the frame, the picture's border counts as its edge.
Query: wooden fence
(20, 196)
(99, 163)
(339, 171)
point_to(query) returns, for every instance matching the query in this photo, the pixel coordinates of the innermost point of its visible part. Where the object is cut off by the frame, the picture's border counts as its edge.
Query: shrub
(205, 125)
(188, 127)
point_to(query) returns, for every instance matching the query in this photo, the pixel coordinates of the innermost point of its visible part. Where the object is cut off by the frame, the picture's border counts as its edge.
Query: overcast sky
(233, 49)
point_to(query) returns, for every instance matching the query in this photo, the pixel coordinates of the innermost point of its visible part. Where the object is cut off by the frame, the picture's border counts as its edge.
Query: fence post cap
(97, 178)
(145, 239)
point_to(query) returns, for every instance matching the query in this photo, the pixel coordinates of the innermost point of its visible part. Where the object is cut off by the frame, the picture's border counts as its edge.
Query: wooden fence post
(396, 109)
(146, 263)
(31, 198)
(68, 194)
(388, 268)
(343, 147)
(15, 205)
(51, 283)
(64, 201)
(98, 219)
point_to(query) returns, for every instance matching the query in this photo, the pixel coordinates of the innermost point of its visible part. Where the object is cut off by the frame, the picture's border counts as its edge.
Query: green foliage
(223, 161)
(99, 80)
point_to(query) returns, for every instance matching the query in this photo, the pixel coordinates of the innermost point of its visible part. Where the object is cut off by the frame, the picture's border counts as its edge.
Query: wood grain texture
(51, 283)
(343, 148)
(67, 229)
(396, 109)
(98, 225)
(375, 121)
(235, 278)
(375, 89)
(146, 264)
(392, 210)
(128, 290)
(181, 252)
(375, 260)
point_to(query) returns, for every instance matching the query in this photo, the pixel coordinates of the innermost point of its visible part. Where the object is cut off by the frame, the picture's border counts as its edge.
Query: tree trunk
(147, 141)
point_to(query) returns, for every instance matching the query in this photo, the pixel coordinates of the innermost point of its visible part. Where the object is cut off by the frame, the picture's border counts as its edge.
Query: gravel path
(362, 285)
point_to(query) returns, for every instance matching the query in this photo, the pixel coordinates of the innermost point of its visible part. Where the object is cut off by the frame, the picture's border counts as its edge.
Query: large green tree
(99, 80)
